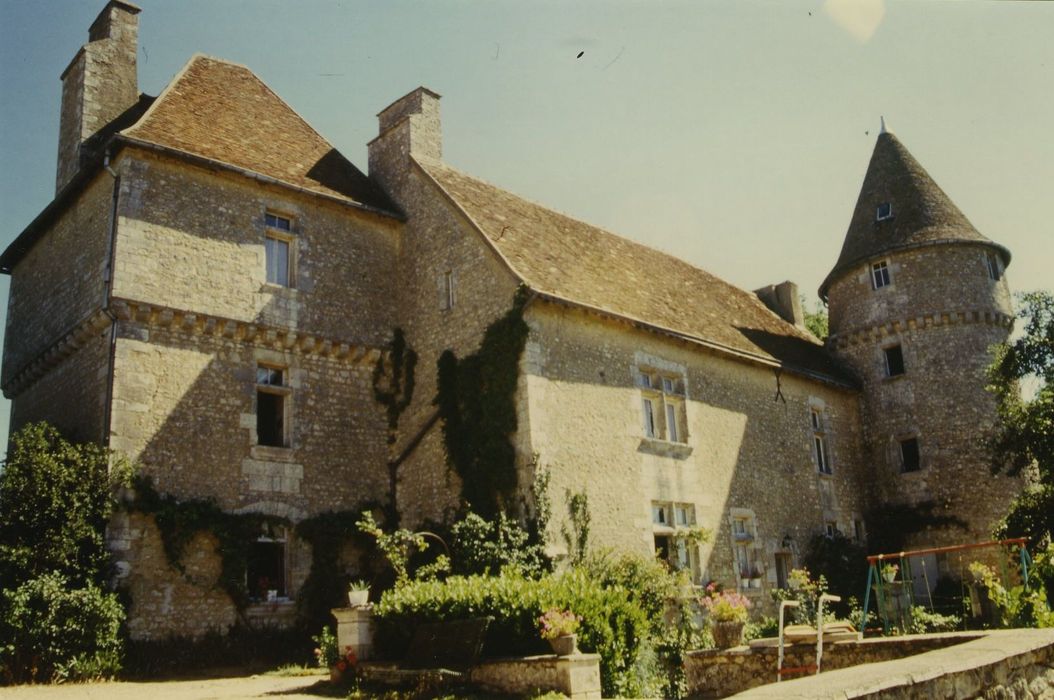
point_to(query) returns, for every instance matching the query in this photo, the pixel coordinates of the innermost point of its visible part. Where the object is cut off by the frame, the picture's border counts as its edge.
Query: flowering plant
(327, 653)
(889, 571)
(558, 623)
(725, 606)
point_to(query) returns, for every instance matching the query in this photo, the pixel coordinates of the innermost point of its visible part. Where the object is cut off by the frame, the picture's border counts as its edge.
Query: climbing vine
(325, 585)
(393, 388)
(179, 521)
(476, 399)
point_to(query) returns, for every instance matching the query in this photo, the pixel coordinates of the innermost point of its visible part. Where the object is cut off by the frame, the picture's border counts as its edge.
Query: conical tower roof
(920, 213)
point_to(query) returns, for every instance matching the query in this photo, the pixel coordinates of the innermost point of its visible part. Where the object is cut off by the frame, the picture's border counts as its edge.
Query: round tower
(917, 299)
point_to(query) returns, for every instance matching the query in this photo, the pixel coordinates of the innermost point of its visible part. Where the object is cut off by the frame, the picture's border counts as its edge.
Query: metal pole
(784, 604)
(819, 625)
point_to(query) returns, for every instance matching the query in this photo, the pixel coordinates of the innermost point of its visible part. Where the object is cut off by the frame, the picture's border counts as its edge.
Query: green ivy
(395, 395)
(180, 521)
(477, 404)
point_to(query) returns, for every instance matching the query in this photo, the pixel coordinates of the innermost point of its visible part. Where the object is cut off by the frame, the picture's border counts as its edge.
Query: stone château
(213, 286)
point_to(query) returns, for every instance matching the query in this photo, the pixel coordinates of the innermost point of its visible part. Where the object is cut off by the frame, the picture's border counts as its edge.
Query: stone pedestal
(355, 630)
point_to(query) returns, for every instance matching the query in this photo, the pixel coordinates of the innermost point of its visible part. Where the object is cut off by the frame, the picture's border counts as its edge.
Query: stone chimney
(784, 300)
(408, 126)
(99, 84)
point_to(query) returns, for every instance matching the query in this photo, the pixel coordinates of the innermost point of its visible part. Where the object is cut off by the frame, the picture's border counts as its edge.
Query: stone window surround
(880, 273)
(285, 391)
(280, 537)
(287, 236)
(818, 411)
(664, 386)
(743, 532)
(666, 519)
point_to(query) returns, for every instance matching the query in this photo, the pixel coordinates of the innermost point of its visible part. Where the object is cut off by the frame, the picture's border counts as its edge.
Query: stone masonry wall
(436, 239)
(72, 394)
(945, 313)
(194, 240)
(60, 281)
(745, 450)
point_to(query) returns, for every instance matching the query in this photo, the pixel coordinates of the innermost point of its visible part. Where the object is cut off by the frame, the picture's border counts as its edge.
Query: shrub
(488, 546)
(923, 621)
(53, 632)
(612, 625)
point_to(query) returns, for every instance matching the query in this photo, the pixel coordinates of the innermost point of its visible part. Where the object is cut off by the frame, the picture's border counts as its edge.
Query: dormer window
(880, 275)
(885, 211)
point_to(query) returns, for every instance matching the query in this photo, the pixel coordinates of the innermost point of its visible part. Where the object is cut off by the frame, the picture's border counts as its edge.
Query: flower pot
(890, 578)
(565, 645)
(357, 599)
(727, 633)
(755, 583)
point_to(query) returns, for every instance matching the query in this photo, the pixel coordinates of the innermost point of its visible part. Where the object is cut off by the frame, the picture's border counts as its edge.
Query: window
(745, 549)
(278, 249)
(909, 455)
(672, 525)
(995, 270)
(819, 442)
(265, 570)
(447, 290)
(272, 399)
(783, 569)
(894, 361)
(662, 407)
(858, 530)
(830, 528)
(880, 275)
(885, 211)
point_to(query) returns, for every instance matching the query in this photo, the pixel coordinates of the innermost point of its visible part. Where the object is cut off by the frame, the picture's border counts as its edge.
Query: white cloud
(858, 17)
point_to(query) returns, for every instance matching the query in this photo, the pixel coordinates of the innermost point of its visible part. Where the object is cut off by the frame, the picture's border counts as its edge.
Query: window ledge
(275, 288)
(890, 379)
(270, 453)
(665, 448)
(826, 475)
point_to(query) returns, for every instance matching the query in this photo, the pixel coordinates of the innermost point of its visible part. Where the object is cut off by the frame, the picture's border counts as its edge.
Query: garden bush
(612, 625)
(50, 631)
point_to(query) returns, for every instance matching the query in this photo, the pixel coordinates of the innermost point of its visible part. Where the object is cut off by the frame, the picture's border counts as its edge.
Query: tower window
(880, 275)
(819, 442)
(909, 455)
(995, 271)
(885, 211)
(272, 404)
(894, 361)
(279, 251)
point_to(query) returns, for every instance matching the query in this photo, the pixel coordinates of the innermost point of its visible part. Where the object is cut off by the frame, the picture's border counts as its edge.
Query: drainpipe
(108, 296)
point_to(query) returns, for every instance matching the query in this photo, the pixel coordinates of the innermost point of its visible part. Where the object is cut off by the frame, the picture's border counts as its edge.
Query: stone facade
(214, 284)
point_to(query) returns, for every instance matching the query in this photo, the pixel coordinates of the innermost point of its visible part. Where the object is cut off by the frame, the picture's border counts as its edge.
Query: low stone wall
(713, 673)
(1000, 663)
(575, 676)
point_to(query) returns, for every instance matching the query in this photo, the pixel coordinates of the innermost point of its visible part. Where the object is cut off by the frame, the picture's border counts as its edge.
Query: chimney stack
(408, 126)
(99, 84)
(783, 299)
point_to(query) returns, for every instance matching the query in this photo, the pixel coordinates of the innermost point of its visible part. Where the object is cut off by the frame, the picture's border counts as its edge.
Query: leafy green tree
(1025, 437)
(55, 500)
(56, 620)
(815, 320)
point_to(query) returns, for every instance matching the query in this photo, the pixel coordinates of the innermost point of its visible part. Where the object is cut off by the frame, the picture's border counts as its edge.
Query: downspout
(108, 296)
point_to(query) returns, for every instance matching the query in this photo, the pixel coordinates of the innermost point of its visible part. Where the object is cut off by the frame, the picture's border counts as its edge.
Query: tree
(815, 320)
(1024, 439)
(56, 498)
(57, 622)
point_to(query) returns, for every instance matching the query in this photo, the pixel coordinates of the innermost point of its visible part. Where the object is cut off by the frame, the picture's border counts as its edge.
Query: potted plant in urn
(559, 628)
(358, 593)
(889, 572)
(727, 615)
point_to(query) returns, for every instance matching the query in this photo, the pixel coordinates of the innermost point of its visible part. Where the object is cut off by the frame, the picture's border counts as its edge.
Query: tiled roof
(566, 258)
(922, 213)
(221, 111)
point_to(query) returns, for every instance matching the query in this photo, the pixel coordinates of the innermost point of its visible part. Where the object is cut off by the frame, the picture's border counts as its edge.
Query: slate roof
(922, 213)
(574, 261)
(223, 112)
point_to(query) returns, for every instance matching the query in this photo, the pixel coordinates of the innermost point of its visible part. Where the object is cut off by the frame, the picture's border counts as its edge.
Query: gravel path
(247, 688)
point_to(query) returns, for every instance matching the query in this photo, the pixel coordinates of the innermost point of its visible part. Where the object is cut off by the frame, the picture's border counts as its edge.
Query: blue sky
(732, 134)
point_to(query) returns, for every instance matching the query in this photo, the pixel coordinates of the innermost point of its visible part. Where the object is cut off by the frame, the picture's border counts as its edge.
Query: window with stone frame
(672, 527)
(910, 455)
(894, 356)
(279, 249)
(880, 275)
(745, 554)
(266, 570)
(662, 406)
(447, 290)
(273, 404)
(819, 441)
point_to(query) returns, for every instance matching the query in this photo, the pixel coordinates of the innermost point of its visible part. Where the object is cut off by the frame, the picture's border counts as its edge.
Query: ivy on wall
(179, 521)
(393, 388)
(476, 399)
